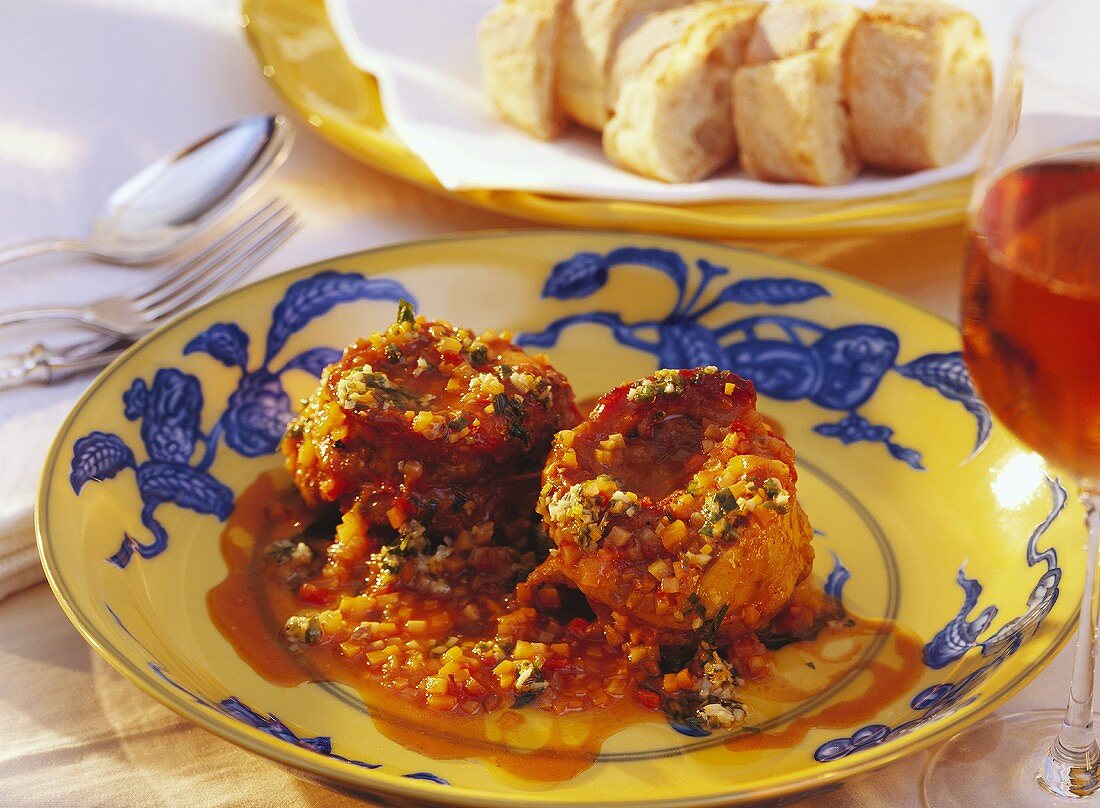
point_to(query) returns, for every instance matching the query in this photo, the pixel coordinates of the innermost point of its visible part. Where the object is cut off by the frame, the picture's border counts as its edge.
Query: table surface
(98, 88)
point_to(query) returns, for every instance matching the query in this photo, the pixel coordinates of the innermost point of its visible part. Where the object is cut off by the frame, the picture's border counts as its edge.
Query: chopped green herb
(405, 312)
(513, 413)
(489, 649)
(479, 354)
(523, 699)
(313, 631)
(411, 541)
(529, 677)
(725, 500)
(696, 605)
(365, 384)
(302, 630)
(517, 431)
(779, 499)
(708, 632)
(715, 510)
(663, 382)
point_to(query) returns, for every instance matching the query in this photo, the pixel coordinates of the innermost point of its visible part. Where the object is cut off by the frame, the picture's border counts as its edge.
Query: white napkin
(424, 55)
(29, 419)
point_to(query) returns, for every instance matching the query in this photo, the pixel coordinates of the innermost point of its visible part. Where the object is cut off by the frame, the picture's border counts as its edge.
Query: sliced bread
(591, 33)
(919, 84)
(789, 107)
(519, 43)
(791, 122)
(673, 108)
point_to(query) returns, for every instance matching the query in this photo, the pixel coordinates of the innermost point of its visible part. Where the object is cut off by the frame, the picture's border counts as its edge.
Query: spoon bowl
(155, 212)
(165, 204)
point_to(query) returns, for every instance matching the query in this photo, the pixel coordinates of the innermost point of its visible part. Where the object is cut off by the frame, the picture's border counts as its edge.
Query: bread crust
(795, 26)
(919, 84)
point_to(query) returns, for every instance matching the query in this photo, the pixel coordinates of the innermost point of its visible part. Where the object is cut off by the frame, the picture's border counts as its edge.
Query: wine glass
(1031, 333)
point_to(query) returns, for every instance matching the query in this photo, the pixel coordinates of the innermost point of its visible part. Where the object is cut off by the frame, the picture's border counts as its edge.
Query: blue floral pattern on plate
(251, 424)
(960, 635)
(788, 358)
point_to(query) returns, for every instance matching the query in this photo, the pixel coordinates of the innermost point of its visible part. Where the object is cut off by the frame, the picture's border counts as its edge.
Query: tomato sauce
(591, 688)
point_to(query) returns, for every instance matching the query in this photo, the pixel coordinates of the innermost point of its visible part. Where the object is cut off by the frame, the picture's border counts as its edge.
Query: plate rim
(386, 783)
(937, 205)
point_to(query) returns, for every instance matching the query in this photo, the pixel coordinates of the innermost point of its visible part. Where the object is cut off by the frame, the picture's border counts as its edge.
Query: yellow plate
(942, 521)
(299, 52)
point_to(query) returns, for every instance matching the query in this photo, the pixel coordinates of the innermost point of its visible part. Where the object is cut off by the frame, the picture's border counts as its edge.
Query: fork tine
(226, 264)
(209, 259)
(159, 280)
(208, 287)
(250, 261)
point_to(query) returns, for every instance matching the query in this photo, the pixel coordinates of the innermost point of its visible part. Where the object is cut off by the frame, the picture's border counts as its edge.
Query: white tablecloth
(91, 91)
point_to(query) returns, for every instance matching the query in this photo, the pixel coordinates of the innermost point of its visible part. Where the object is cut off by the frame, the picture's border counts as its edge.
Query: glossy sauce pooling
(590, 698)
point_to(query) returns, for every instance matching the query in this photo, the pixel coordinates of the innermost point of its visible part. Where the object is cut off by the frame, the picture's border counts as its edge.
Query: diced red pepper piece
(315, 595)
(578, 625)
(554, 663)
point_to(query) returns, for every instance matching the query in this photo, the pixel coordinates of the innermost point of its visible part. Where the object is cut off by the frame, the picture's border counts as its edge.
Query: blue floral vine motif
(321, 744)
(251, 424)
(788, 358)
(836, 579)
(961, 634)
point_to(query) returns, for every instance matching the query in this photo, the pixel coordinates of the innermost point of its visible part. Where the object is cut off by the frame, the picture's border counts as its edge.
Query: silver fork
(45, 365)
(42, 364)
(214, 269)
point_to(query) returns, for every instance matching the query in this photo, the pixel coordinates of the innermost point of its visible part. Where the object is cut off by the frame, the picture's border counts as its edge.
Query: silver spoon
(153, 213)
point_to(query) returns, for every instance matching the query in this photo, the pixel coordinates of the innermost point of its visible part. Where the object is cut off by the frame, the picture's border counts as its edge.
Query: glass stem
(1072, 766)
